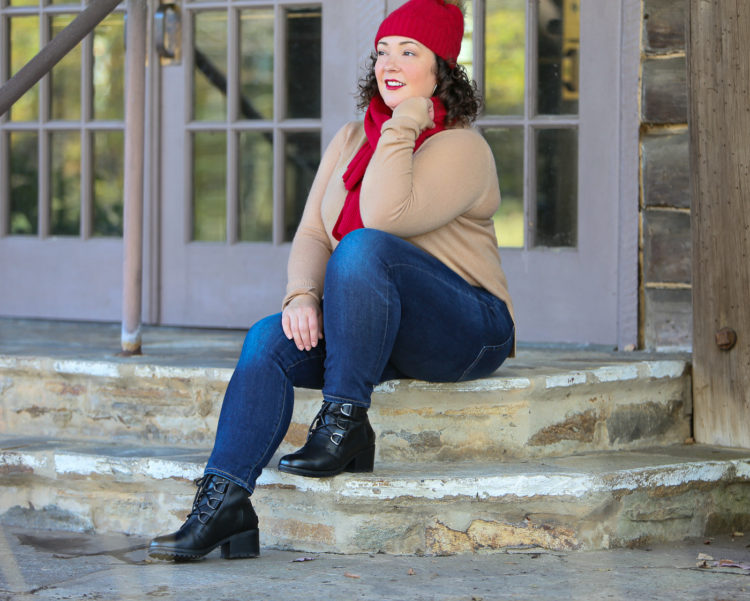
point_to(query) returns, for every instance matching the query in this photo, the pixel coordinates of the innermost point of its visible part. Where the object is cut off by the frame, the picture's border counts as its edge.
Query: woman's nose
(390, 63)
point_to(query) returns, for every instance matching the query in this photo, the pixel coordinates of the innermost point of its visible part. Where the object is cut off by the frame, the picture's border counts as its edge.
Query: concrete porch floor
(53, 566)
(204, 347)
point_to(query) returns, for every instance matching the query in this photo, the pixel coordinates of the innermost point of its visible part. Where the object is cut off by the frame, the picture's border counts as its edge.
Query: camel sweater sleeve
(312, 247)
(409, 194)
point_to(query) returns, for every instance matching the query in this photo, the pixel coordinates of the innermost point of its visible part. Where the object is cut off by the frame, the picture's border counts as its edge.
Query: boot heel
(244, 544)
(363, 462)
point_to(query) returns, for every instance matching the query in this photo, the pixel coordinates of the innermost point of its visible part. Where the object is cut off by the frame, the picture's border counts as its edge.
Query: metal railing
(135, 86)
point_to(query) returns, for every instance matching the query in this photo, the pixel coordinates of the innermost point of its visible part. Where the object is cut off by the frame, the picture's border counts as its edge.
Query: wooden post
(719, 82)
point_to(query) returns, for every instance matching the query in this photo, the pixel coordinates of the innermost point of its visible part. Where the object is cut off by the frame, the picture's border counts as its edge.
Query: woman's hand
(302, 321)
(418, 108)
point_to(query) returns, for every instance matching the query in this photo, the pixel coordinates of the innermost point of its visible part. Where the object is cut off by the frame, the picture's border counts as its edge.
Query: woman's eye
(408, 53)
(381, 53)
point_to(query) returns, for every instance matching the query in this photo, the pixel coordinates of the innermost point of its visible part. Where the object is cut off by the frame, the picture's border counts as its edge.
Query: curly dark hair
(459, 94)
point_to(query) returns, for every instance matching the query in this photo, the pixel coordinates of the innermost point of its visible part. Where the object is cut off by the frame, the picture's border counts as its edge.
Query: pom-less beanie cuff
(434, 23)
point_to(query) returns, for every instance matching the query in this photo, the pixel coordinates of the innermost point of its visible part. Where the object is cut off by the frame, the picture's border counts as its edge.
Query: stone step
(591, 501)
(537, 405)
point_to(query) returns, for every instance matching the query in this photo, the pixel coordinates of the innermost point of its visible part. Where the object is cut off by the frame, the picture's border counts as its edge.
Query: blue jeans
(390, 310)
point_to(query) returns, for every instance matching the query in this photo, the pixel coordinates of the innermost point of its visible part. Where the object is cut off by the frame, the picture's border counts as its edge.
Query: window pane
(209, 186)
(557, 72)
(108, 182)
(65, 183)
(24, 177)
(23, 3)
(109, 68)
(210, 77)
(466, 57)
(24, 31)
(507, 146)
(303, 51)
(65, 93)
(557, 187)
(302, 158)
(256, 187)
(256, 64)
(505, 47)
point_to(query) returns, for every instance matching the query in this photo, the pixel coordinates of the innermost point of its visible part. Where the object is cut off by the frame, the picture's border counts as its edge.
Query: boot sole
(244, 545)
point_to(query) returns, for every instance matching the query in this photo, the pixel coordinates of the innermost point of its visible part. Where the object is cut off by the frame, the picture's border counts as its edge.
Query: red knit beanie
(437, 24)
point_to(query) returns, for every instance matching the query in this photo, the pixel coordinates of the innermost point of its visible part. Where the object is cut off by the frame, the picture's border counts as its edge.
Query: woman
(395, 259)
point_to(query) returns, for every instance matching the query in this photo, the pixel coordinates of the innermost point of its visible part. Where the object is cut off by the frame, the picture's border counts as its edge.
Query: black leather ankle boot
(340, 439)
(222, 515)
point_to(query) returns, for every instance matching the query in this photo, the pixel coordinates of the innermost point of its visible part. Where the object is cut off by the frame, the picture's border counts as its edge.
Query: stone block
(664, 91)
(643, 420)
(668, 318)
(665, 165)
(667, 247)
(664, 24)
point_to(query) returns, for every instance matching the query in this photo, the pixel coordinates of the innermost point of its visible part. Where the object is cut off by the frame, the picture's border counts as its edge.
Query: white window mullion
(529, 144)
(478, 51)
(87, 184)
(233, 78)
(4, 145)
(279, 114)
(188, 58)
(44, 135)
(87, 141)
(44, 182)
(4, 184)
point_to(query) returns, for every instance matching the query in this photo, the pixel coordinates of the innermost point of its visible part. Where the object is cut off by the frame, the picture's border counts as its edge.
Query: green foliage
(505, 57)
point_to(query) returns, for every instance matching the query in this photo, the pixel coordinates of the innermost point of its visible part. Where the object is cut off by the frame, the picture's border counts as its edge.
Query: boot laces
(212, 502)
(319, 424)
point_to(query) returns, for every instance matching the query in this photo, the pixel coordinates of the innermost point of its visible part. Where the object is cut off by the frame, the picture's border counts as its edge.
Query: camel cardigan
(441, 199)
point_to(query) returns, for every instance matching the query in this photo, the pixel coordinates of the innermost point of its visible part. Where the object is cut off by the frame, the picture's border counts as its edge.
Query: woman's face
(404, 69)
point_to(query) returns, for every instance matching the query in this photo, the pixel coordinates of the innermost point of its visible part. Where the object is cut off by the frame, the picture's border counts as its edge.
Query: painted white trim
(628, 237)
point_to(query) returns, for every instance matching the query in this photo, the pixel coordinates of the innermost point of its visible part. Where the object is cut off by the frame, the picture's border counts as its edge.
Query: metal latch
(168, 33)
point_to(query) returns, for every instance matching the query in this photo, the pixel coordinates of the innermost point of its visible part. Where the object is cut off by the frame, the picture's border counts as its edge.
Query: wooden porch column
(719, 82)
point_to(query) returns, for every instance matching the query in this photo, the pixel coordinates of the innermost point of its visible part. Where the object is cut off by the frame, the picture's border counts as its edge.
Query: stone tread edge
(545, 378)
(597, 473)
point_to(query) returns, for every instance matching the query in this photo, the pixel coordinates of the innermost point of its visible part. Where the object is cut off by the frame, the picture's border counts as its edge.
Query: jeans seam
(387, 315)
(485, 348)
(273, 435)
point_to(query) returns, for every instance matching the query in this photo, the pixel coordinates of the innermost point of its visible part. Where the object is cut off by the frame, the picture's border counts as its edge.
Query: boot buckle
(336, 438)
(347, 409)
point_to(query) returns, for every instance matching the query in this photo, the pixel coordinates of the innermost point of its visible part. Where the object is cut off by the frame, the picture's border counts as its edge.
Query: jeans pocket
(488, 360)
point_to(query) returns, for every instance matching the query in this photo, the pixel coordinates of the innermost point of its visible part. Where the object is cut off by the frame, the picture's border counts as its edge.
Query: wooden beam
(719, 82)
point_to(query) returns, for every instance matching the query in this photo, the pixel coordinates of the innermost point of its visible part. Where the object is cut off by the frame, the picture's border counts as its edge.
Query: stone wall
(666, 310)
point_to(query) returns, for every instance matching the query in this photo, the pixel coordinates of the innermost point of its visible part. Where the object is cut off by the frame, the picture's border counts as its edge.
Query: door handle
(168, 32)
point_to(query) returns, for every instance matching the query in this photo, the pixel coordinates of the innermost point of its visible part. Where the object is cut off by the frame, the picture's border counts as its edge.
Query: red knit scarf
(377, 114)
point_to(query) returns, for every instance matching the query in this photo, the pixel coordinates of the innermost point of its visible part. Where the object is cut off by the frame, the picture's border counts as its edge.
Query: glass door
(245, 113)
(61, 168)
(550, 74)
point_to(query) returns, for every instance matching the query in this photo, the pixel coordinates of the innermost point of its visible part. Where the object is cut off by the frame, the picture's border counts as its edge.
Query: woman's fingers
(312, 327)
(301, 323)
(286, 324)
